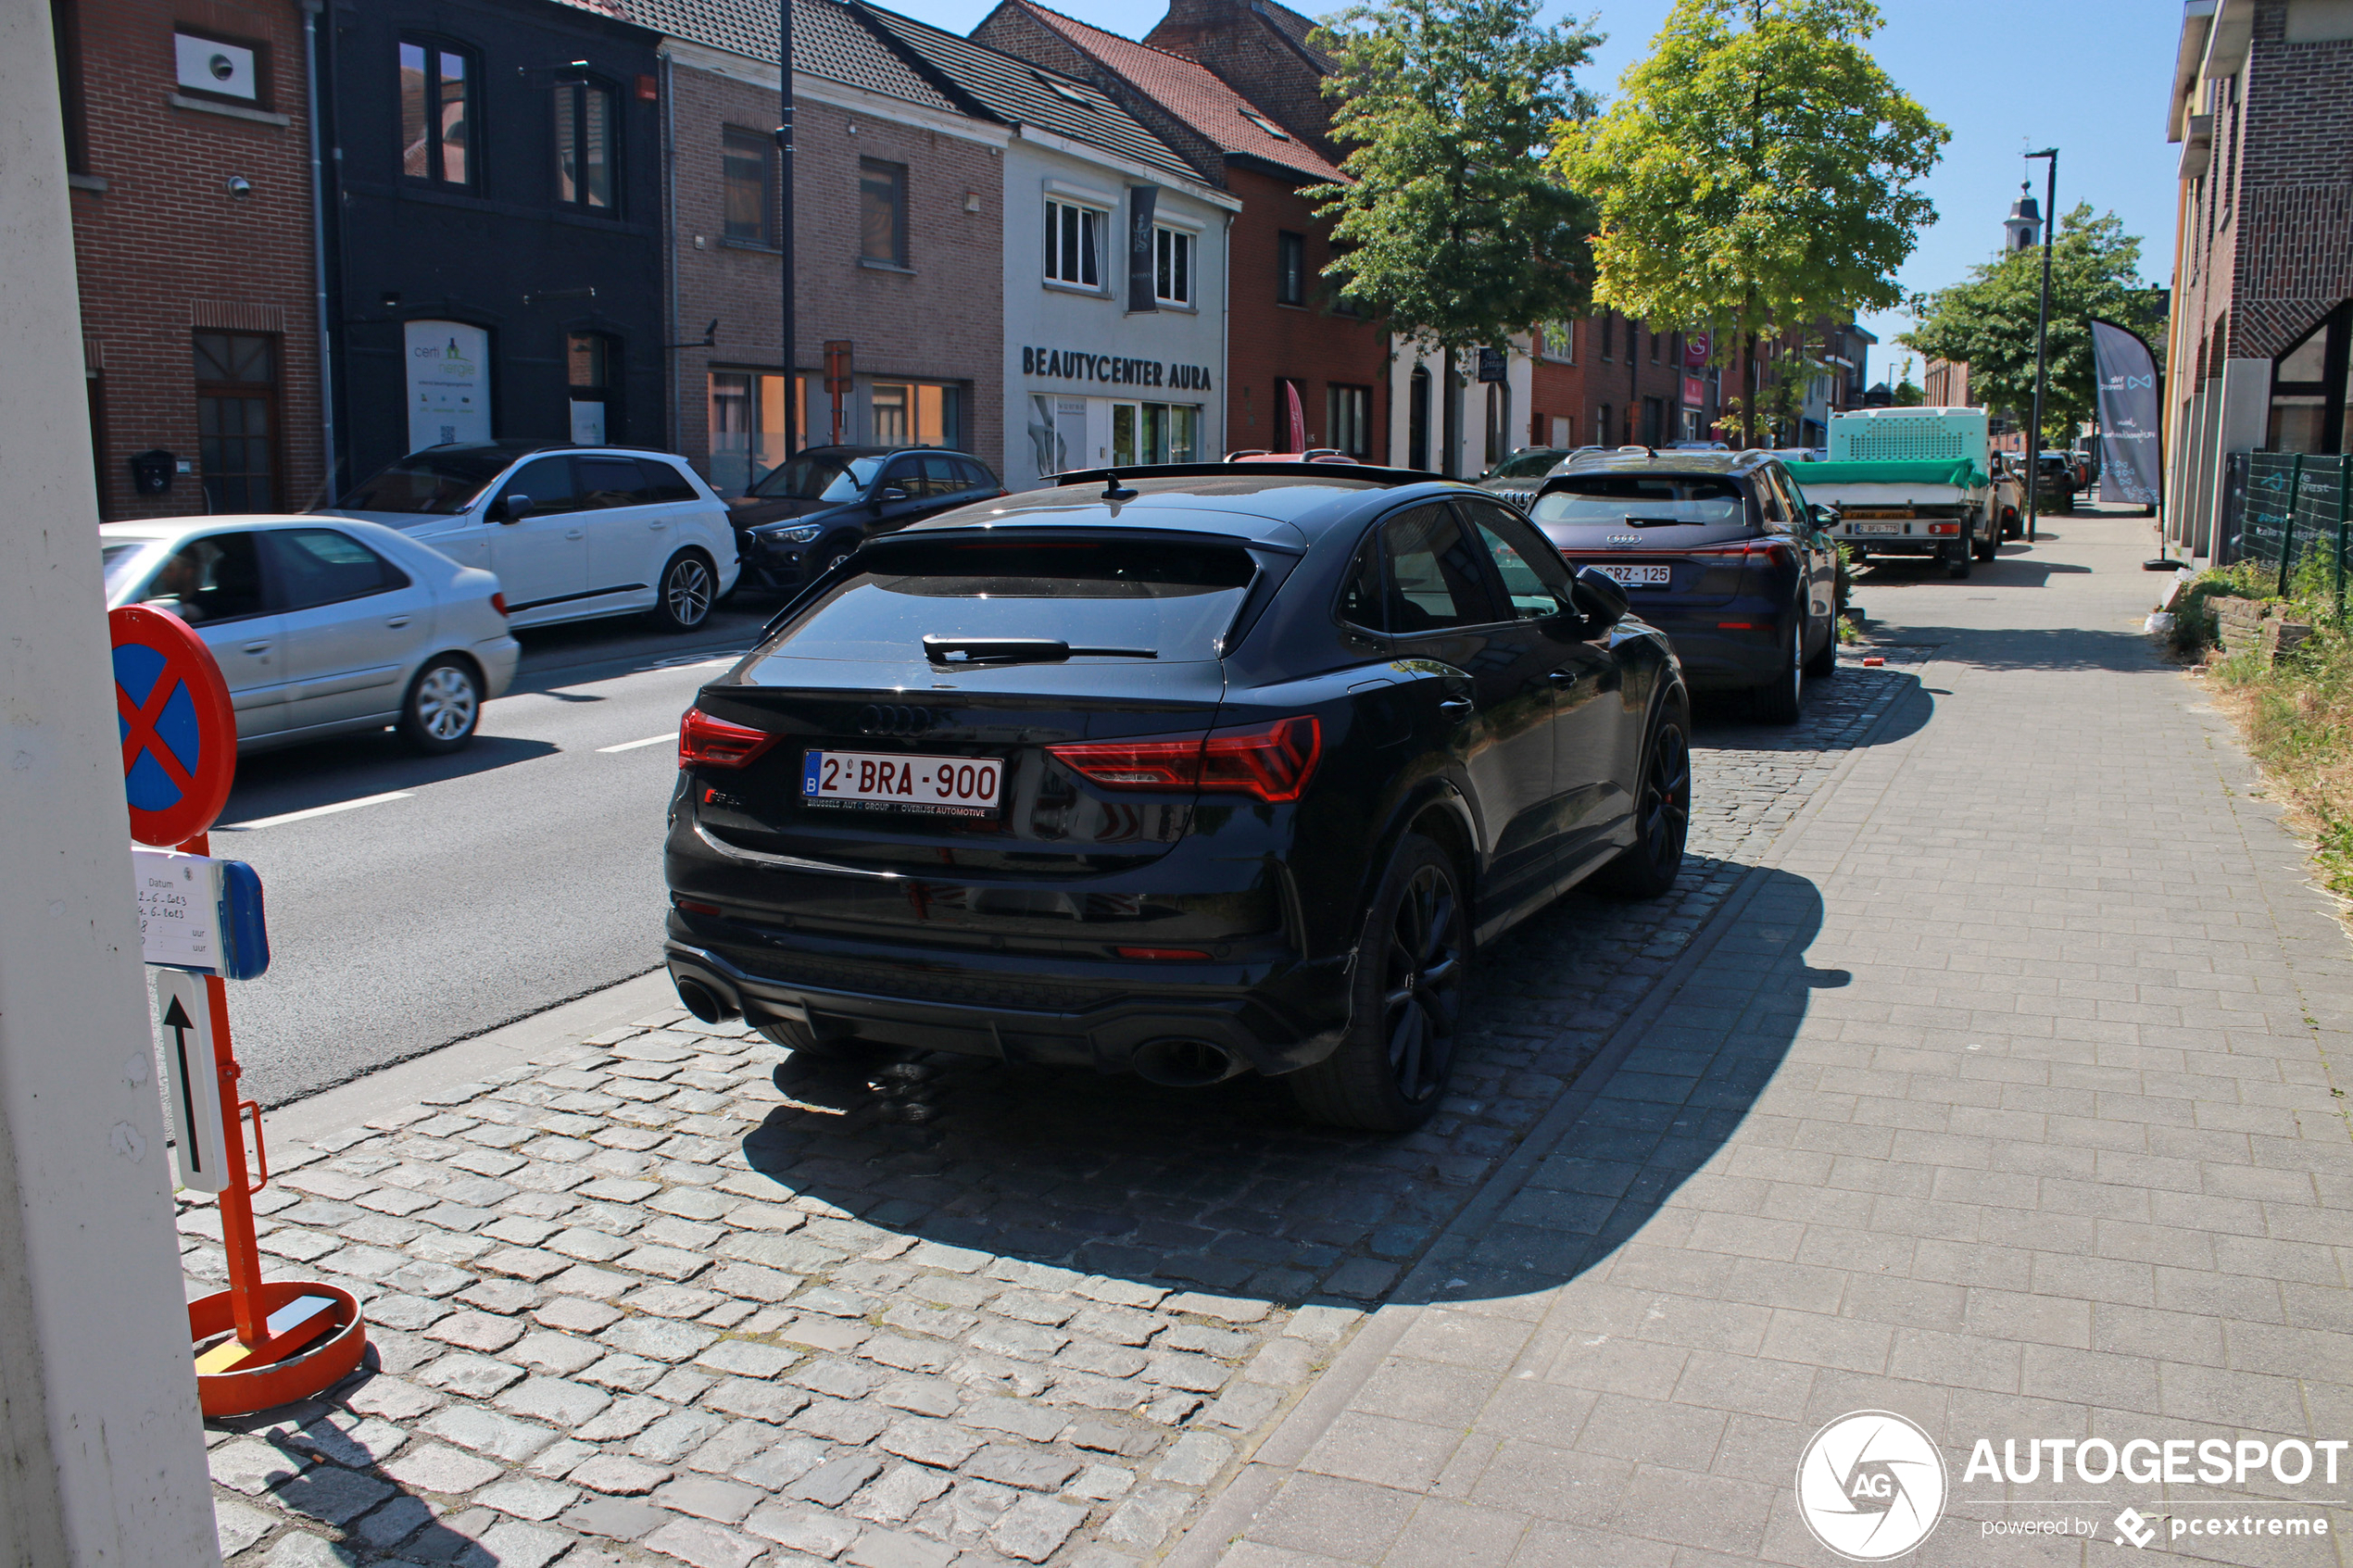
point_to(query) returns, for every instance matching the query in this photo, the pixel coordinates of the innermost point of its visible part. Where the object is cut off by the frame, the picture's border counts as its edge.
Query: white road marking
(305, 816)
(634, 745)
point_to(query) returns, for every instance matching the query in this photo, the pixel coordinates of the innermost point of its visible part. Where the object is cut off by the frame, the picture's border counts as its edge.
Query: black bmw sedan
(1215, 769)
(807, 513)
(1719, 550)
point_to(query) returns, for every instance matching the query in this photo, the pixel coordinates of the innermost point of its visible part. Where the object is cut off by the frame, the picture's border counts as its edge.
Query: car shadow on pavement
(332, 771)
(1230, 1189)
(1728, 721)
(2042, 647)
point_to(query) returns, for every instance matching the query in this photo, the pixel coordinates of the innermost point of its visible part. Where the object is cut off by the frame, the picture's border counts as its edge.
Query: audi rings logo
(1870, 1486)
(886, 719)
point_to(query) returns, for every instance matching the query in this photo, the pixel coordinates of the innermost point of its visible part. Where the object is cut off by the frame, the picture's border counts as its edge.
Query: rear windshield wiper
(1018, 650)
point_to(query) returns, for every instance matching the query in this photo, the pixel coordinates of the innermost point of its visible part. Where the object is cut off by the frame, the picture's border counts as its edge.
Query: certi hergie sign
(1114, 370)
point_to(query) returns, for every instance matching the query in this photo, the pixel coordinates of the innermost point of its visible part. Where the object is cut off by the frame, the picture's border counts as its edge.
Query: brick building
(898, 213)
(1262, 50)
(189, 155)
(1304, 370)
(2262, 322)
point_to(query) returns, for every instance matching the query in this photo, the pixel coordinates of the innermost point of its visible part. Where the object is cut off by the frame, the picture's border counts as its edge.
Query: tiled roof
(1193, 93)
(1015, 90)
(828, 40)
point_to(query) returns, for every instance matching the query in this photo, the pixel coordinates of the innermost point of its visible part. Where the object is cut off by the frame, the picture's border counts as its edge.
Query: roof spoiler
(1112, 476)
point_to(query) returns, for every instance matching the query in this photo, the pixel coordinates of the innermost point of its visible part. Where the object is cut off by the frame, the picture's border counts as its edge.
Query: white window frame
(1176, 263)
(1089, 213)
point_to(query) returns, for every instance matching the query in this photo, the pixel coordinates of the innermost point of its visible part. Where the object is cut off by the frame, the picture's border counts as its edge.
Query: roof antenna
(1113, 489)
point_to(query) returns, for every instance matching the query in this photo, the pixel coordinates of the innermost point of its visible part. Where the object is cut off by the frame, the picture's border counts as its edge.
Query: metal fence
(2295, 509)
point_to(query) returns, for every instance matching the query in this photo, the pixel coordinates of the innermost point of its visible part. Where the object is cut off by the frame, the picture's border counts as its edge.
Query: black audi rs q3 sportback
(1204, 769)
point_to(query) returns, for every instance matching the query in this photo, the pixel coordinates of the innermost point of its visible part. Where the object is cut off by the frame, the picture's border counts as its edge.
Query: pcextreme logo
(1870, 1486)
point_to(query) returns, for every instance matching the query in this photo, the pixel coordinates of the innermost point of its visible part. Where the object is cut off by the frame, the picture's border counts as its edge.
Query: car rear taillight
(715, 743)
(1777, 551)
(1273, 761)
(498, 603)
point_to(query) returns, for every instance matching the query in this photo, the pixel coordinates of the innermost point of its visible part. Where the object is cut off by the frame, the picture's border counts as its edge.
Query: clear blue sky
(2090, 76)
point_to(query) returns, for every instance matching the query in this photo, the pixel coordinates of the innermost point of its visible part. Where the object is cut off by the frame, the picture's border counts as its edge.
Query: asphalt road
(431, 898)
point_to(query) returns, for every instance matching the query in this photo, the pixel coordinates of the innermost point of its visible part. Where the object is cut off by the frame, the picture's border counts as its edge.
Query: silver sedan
(323, 625)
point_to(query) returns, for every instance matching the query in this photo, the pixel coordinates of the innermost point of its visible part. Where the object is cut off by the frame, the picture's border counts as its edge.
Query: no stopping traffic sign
(178, 729)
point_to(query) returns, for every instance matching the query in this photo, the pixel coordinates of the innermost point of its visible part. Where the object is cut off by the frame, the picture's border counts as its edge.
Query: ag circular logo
(1870, 1486)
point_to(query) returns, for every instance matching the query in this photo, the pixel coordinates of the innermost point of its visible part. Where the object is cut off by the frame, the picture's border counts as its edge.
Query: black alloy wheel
(1778, 699)
(688, 589)
(1391, 1069)
(1662, 816)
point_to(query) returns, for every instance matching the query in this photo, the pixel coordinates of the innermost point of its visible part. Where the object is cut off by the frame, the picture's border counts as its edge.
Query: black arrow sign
(176, 1019)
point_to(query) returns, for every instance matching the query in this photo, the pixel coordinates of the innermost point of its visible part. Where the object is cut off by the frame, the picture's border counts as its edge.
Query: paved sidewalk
(1999, 1099)
(645, 1292)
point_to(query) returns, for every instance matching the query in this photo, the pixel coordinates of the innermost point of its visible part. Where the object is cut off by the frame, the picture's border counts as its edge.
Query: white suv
(574, 532)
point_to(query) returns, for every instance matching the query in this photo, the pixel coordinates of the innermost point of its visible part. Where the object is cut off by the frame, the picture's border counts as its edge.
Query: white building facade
(1115, 284)
(1492, 395)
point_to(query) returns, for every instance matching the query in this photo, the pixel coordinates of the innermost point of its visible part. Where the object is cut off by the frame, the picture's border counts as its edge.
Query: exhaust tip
(702, 1001)
(1184, 1064)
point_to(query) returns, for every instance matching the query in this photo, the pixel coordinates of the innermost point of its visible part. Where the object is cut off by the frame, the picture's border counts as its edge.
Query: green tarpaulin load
(1959, 472)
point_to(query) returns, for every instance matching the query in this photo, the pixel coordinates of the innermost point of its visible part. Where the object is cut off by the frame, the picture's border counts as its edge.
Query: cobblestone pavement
(2001, 1097)
(668, 1295)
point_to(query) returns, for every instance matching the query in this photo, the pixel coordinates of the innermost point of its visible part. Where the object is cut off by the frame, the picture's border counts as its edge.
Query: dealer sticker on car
(955, 786)
(1640, 576)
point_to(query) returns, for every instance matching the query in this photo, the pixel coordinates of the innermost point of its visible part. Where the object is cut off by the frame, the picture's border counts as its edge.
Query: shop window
(916, 414)
(1172, 267)
(438, 141)
(2311, 384)
(1074, 245)
(593, 362)
(1348, 411)
(237, 421)
(587, 145)
(882, 212)
(748, 176)
(1144, 433)
(747, 414)
(1290, 269)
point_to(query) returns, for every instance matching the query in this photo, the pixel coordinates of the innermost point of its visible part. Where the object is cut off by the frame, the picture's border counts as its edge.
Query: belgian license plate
(1877, 527)
(1639, 576)
(875, 781)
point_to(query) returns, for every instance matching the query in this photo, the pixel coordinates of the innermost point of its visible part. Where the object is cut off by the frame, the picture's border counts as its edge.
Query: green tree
(1452, 228)
(1754, 174)
(1989, 321)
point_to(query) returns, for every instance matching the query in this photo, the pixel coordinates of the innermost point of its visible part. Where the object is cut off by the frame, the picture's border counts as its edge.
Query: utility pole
(2042, 328)
(784, 218)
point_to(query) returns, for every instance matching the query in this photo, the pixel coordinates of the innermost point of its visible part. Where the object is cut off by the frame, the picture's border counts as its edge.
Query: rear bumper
(498, 657)
(1271, 1018)
(1727, 645)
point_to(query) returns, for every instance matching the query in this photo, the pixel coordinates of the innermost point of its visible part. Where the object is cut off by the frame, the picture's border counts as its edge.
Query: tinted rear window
(1176, 599)
(1640, 498)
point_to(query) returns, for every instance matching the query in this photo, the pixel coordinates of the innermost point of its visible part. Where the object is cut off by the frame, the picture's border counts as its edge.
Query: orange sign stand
(257, 1346)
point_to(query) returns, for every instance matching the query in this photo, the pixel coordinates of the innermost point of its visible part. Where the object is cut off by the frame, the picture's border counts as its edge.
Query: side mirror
(1597, 593)
(510, 508)
(891, 492)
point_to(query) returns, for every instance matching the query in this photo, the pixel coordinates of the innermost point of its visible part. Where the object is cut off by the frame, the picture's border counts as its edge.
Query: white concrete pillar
(101, 1454)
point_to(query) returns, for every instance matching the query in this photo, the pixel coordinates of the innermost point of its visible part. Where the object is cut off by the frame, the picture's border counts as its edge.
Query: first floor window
(881, 211)
(1172, 266)
(436, 114)
(1074, 245)
(1290, 269)
(748, 172)
(1560, 341)
(586, 145)
(237, 421)
(1601, 426)
(1350, 419)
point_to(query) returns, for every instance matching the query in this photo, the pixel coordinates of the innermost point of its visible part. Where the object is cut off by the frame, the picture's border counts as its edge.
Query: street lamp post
(2042, 327)
(785, 216)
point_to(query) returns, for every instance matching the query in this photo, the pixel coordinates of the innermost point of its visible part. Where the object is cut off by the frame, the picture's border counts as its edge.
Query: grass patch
(2298, 715)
